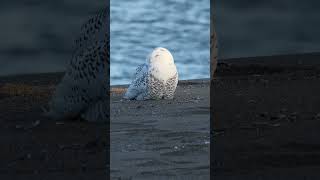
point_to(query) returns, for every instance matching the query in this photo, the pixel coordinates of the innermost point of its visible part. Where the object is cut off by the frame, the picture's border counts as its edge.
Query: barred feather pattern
(83, 91)
(156, 79)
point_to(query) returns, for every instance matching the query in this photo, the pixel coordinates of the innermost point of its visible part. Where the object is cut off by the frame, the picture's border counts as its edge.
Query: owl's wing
(86, 79)
(141, 67)
(94, 29)
(171, 86)
(139, 83)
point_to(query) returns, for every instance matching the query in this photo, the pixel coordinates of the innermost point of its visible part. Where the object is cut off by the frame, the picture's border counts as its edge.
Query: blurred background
(37, 36)
(267, 27)
(137, 27)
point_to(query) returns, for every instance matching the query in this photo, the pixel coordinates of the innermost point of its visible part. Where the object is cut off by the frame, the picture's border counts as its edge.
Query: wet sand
(165, 139)
(35, 147)
(266, 118)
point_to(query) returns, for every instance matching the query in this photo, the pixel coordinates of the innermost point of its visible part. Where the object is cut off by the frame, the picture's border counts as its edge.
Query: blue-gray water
(182, 26)
(36, 36)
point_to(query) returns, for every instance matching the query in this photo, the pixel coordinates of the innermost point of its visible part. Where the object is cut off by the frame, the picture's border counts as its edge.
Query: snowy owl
(84, 89)
(156, 79)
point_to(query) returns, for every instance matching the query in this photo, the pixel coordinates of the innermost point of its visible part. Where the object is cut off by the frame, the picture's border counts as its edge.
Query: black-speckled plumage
(156, 79)
(83, 91)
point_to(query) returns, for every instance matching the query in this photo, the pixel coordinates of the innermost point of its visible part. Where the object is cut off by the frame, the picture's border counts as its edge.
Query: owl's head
(160, 55)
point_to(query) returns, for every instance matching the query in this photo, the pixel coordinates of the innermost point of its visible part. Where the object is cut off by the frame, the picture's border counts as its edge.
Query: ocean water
(37, 36)
(136, 27)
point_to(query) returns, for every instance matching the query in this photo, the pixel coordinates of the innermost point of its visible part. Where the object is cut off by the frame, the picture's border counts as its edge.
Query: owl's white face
(160, 55)
(161, 64)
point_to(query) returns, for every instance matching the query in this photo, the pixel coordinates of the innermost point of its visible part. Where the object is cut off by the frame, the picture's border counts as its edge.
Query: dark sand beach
(266, 118)
(151, 139)
(266, 122)
(165, 139)
(35, 147)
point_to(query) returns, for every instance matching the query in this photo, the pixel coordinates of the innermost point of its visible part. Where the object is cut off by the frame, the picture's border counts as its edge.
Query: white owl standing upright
(83, 91)
(155, 79)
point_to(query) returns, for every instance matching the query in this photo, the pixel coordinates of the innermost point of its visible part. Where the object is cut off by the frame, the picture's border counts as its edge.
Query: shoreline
(263, 115)
(181, 82)
(301, 61)
(287, 60)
